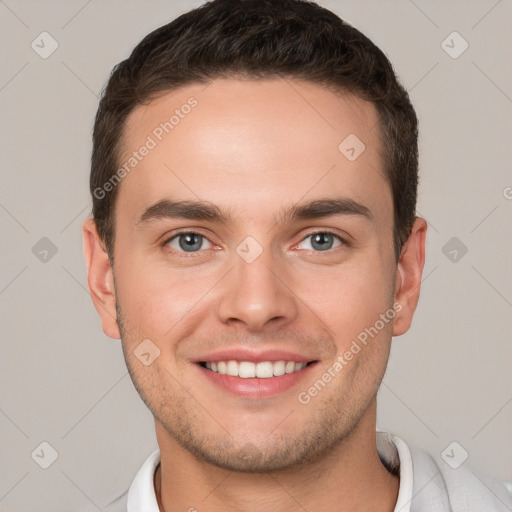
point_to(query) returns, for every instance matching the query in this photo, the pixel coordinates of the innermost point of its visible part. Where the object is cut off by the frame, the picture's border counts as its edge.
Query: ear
(408, 277)
(100, 278)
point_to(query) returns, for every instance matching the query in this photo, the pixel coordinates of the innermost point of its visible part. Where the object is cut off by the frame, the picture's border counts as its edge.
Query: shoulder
(439, 487)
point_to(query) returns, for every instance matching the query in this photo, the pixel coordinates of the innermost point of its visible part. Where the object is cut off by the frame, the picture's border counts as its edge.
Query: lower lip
(254, 387)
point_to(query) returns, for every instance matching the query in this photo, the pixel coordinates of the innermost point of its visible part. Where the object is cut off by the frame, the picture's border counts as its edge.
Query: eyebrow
(203, 210)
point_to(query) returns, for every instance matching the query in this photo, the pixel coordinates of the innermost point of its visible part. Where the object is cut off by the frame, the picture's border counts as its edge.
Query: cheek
(349, 299)
(159, 302)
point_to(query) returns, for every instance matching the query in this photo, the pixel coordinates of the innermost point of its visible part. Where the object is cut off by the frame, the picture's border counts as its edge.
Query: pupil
(192, 241)
(324, 241)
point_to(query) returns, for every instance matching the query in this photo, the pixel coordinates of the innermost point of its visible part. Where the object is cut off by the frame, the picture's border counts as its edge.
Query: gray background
(64, 382)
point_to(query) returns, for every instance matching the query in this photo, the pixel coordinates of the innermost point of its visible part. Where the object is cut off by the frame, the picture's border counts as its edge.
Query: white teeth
(264, 370)
(248, 369)
(290, 367)
(232, 369)
(279, 368)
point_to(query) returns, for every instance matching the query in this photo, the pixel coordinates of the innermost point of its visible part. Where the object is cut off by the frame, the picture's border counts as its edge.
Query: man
(254, 244)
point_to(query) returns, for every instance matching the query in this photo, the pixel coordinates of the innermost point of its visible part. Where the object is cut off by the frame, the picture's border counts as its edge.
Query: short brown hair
(258, 39)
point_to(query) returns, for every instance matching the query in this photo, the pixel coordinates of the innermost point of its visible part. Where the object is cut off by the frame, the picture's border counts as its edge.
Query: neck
(350, 478)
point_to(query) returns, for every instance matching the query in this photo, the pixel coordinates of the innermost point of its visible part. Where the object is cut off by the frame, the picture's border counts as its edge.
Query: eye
(187, 242)
(322, 241)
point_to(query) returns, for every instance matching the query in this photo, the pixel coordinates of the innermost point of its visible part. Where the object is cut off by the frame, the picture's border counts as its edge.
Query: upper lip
(253, 356)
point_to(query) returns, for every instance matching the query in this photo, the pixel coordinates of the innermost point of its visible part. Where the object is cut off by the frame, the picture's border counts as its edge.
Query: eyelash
(344, 242)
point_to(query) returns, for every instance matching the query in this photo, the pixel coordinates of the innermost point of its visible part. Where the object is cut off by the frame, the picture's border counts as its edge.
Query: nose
(256, 294)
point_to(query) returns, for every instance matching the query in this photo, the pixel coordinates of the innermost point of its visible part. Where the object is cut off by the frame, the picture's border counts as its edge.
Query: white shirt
(427, 483)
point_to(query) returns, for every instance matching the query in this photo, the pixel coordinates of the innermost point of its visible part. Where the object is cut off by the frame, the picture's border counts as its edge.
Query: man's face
(256, 281)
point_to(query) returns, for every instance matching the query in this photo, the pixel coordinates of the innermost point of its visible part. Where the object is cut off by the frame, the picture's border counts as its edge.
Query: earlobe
(408, 276)
(100, 278)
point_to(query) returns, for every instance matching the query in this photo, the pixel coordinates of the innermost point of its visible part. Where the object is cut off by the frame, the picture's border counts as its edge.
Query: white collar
(141, 495)
(392, 451)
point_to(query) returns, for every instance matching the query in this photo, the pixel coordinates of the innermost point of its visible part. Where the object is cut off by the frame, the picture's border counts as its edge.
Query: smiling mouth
(249, 369)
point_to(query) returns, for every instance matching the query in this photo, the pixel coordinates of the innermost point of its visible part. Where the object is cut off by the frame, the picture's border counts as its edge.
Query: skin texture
(252, 149)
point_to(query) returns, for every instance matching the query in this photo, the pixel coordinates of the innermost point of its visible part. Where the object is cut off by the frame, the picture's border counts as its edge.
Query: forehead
(252, 146)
